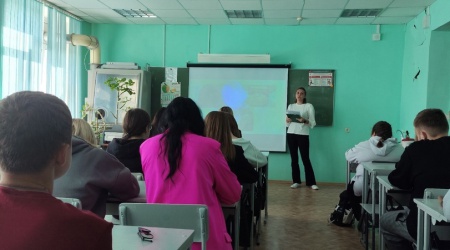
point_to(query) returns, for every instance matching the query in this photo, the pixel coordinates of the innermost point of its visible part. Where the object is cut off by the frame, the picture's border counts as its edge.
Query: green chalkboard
(321, 97)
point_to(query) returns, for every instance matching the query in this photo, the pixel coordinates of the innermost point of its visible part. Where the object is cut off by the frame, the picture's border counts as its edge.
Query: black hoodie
(127, 152)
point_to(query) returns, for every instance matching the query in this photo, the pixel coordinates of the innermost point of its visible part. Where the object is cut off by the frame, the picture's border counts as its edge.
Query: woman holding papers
(298, 137)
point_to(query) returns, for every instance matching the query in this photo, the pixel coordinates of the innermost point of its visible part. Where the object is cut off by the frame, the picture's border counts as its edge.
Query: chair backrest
(180, 216)
(139, 176)
(72, 201)
(435, 192)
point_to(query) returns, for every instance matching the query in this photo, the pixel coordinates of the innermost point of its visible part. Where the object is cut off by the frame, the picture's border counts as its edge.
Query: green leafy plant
(122, 86)
(98, 124)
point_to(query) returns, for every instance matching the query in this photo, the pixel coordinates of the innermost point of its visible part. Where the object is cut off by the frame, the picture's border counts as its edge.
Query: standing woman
(181, 166)
(298, 139)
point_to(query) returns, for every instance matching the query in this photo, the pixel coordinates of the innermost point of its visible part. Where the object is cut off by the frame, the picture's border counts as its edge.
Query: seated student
(30, 159)
(181, 166)
(445, 204)
(381, 146)
(158, 124)
(83, 130)
(251, 153)
(237, 132)
(136, 129)
(93, 175)
(424, 164)
(218, 128)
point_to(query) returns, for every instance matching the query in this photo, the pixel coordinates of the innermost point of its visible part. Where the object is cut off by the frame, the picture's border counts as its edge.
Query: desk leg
(382, 206)
(266, 207)
(374, 215)
(252, 207)
(365, 186)
(426, 232)
(419, 242)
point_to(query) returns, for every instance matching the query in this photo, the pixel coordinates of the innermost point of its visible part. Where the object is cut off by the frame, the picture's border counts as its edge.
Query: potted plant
(123, 86)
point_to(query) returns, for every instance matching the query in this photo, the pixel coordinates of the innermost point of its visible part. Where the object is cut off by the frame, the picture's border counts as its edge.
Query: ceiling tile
(247, 21)
(120, 4)
(201, 4)
(321, 13)
(146, 20)
(282, 5)
(87, 4)
(281, 13)
(173, 20)
(392, 20)
(162, 4)
(241, 5)
(409, 3)
(60, 3)
(324, 4)
(90, 19)
(414, 11)
(355, 20)
(76, 12)
(207, 14)
(213, 21)
(321, 21)
(98, 13)
(281, 21)
(171, 13)
(368, 4)
(121, 20)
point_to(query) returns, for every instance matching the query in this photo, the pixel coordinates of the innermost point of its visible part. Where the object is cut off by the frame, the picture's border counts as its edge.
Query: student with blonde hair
(217, 127)
(94, 174)
(82, 129)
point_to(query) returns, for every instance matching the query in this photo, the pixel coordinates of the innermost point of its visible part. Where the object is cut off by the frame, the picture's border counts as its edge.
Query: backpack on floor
(342, 217)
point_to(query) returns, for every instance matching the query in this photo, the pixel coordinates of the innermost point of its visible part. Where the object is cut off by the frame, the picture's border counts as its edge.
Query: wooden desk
(112, 203)
(384, 187)
(126, 237)
(373, 170)
(427, 209)
(112, 208)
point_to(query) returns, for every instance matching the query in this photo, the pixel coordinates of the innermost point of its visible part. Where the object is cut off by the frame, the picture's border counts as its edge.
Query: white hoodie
(368, 151)
(253, 155)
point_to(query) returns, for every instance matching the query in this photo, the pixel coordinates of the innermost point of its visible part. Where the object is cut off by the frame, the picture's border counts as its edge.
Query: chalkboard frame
(321, 97)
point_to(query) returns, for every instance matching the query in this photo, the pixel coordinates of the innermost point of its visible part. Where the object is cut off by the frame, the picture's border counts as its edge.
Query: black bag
(342, 217)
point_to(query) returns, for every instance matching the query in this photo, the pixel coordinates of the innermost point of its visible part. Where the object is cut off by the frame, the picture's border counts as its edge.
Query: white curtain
(27, 64)
(21, 22)
(62, 66)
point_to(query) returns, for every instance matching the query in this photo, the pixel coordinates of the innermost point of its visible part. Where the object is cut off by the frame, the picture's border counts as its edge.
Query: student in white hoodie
(251, 153)
(380, 147)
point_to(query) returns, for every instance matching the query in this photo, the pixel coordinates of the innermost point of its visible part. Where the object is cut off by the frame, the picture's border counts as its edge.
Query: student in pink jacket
(181, 166)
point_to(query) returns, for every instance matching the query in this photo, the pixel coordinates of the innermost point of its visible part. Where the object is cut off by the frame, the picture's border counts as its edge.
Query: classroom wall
(424, 50)
(368, 73)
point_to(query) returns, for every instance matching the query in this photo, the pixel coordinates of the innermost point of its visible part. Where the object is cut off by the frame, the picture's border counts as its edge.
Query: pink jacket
(203, 178)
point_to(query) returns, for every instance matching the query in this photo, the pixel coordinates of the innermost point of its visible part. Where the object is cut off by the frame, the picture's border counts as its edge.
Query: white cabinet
(101, 98)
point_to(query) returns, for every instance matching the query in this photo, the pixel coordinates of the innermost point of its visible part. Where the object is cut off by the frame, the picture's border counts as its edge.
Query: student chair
(72, 201)
(139, 176)
(180, 216)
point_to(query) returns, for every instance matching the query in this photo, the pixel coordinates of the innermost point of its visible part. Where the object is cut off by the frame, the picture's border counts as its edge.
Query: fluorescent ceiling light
(135, 13)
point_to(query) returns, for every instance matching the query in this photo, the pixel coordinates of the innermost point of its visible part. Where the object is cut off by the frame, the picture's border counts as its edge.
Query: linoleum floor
(297, 219)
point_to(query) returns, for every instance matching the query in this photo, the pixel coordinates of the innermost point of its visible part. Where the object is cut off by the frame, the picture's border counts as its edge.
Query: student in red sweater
(35, 149)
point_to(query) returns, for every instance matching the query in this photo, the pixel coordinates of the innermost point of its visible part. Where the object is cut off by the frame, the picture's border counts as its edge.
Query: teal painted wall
(368, 73)
(424, 50)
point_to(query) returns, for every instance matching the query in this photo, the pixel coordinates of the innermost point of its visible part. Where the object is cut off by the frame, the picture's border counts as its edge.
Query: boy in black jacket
(424, 164)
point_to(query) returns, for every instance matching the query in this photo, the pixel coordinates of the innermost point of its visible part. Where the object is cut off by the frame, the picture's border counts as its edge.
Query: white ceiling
(274, 12)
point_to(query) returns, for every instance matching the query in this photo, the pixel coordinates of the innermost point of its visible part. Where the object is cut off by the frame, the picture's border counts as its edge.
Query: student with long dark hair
(181, 166)
(136, 129)
(298, 139)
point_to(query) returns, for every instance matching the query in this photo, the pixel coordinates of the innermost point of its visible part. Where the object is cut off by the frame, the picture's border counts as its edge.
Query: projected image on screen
(256, 95)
